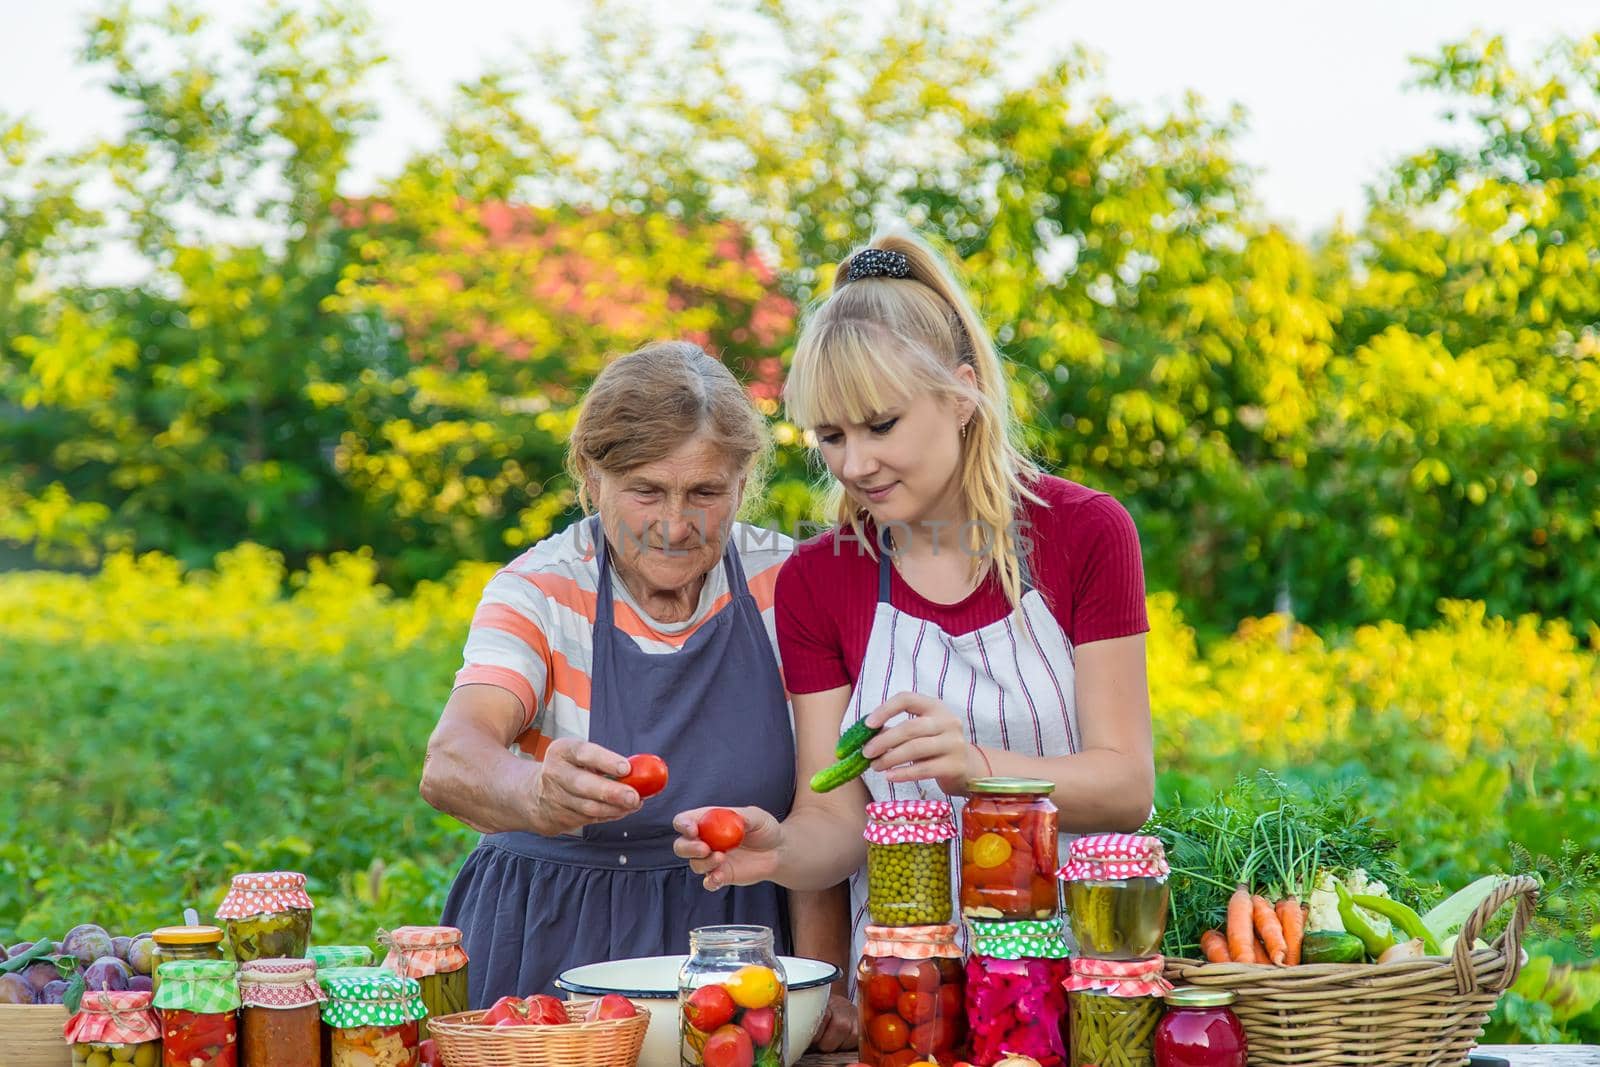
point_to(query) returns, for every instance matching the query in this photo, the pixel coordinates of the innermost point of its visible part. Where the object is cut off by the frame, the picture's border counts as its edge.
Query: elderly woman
(646, 628)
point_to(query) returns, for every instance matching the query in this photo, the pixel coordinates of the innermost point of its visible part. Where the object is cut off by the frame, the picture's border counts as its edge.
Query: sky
(1322, 83)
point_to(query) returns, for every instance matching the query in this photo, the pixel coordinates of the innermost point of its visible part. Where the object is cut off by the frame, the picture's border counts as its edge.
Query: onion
(1012, 1059)
(1404, 950)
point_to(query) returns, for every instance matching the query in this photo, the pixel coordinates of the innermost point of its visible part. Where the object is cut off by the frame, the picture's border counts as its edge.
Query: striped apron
(1011, 682)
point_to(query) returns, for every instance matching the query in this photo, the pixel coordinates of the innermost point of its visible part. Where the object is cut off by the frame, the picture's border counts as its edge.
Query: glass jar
(325, 956)
(910, 986)
(1008, 850)
(1200, 1030)
(280, 1020)
(434, 957)
(732, 990)
(268, 915)
(199, 1002)
(373, 1014)
(1117, 895)
(1016, 1003)
(112, 1027)
(1115, 1007)
(182, 943)
(908, 862)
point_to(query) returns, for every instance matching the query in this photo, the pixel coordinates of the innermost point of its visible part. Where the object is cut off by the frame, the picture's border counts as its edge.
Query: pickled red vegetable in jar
(1008, 850)
(199, 1002)
(1200, 1030)
(910, 988)
(280, 1021)
(1016, 1003)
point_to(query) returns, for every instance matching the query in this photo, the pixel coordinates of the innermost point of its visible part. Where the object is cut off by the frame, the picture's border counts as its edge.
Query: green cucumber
(848, 769)
(852, 739)
(1331, 946)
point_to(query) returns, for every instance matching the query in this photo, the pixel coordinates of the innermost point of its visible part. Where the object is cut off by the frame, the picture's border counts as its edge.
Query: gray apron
(530, 907)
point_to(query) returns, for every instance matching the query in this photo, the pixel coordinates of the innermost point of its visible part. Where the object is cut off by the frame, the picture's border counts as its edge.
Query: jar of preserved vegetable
(1008, 850)
(114, 1027)
(1016, 1001)
(1200, 1030)
(268, 915)
(908, 862)
(910, 988)
(1115, 1006)
(1117, 895)
(280, 1018)
(732, 990)
(434, 957)
(325, 956)
(199, 1003)
(373, 1014)
(183, 943)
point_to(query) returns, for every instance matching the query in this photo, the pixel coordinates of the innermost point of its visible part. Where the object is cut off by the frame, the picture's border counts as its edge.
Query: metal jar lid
(1011, 786)
(1193, 996)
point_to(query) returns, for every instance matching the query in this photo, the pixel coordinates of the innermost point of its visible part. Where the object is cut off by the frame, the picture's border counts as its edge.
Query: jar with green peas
(114, 1027)
(908, 862)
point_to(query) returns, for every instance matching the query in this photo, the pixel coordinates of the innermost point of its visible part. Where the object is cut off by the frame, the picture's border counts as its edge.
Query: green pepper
(1356, 923)
(1402, 917)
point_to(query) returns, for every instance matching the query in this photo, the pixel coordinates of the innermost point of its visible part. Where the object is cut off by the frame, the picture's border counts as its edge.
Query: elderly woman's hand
(752, 861)
(574, 789)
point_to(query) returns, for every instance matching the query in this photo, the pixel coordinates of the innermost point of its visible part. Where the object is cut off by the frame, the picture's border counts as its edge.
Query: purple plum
(141, 955)
(4, 954)
(88, 942)
(40, 973)
(54, 993)
(141, 983)
(119, 947)
(107, 972)
(14, 989)
(19, 948)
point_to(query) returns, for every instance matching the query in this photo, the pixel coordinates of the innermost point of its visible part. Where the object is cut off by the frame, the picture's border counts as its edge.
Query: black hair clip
(878, 263)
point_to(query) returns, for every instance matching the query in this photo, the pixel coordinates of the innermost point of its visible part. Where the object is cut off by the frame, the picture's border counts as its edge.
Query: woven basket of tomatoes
(541, 1031)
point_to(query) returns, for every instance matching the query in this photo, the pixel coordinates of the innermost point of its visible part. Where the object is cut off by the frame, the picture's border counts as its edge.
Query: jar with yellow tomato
(1008, 850)
(732, 997)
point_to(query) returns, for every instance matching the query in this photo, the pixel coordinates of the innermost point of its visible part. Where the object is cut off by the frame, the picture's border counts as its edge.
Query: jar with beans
(434, 957)
(1116, 1006)
(911, 993)
(908, 862)
(1016, 1003)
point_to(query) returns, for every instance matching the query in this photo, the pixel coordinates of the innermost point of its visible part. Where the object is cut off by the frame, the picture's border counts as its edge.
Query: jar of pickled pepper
(182, 943)
(911, 989)
(1115, 1005)
(373, 1014)
(199, 1003)
(268, 915)
(280, 1017)
(1117, 895)
(434, 957)
(1008, 850)
(908, 862)
(114, 1027)
(1016, 998)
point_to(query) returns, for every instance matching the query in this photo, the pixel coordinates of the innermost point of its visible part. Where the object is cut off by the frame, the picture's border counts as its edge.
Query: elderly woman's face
(666, 521)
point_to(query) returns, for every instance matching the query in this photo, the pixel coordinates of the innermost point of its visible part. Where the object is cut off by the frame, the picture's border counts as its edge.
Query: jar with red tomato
(1200, 1030)
(910, 985)
(1008, 850)
(373, 1015)
(1016, 1004)
(199, 1005)
(732, 999)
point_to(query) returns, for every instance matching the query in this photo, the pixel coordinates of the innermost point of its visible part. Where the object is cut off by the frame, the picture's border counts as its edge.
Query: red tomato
(610, 1006)
(708, 1008)
(882, 992)
(951, 1002)
(647, 774)
(428, 1054)
(513, 1010)
(919, 975)
(729, 1047)
(917, 1008)
(721, 828)
(760, 1024)
(888, 1033)
(904, 1058)
(545, 1010)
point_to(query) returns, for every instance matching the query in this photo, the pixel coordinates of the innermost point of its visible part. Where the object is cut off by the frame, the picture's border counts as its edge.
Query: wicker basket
(606, 1043)
(1419, 1013)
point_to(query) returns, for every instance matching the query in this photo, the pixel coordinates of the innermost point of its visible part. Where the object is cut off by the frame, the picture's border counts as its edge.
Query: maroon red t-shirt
(1085, 562)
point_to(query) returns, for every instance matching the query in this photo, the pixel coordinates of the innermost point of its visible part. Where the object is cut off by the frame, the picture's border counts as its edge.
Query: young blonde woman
(991, 616)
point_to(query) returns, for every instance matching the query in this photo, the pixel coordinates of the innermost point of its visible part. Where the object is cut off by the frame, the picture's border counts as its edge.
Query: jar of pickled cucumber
(280, 1018)
(373, 1014)
(910, 988)
(1117, 895)
(908, 862)
(1115, 1005)
(434, 957)
(199, 1003)
(1008, 850)
(268, 915)
(114, 1027)
(1016, 1001)
(183, 943)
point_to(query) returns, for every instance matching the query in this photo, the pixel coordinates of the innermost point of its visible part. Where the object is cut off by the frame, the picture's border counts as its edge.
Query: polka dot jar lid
(1025, 939)
(370, 996)
(903, 822)
(264, 893)
(1110, 857)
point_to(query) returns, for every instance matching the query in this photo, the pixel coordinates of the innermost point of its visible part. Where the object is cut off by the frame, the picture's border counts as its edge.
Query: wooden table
(1519, 1055)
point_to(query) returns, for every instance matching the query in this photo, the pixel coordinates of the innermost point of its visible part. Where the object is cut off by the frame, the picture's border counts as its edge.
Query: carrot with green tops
(1270, 929)
(1292, 917)
(1241, 932)
(1215, 946)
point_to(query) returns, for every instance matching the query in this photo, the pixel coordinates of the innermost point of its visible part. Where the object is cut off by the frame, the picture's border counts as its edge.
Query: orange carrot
(1292, 917)
(1241, 936)
(1215, 946)
(1270, 929)
(1261, 953)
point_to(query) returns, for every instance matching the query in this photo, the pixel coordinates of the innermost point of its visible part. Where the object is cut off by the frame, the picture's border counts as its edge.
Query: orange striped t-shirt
(533, 632)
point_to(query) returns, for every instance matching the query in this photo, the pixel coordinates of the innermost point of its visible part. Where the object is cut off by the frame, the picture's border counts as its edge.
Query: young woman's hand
(753, 860)
(931, 743)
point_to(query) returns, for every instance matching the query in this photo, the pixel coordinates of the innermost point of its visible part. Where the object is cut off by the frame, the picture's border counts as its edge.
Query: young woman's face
(903, 464)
